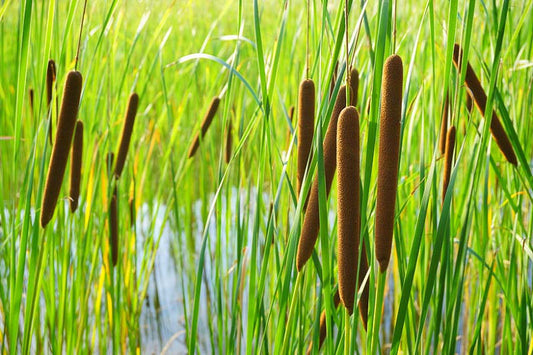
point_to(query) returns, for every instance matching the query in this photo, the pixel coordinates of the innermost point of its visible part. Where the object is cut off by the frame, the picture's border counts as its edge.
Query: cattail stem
(348, 204)
(323, 329)
(127, 130)
(61, 149)
(444, 125)
(306, 123)
(480, 98)
(354, 83)
(448, 158)
(389, 149)
(75, 169)
(205, 126)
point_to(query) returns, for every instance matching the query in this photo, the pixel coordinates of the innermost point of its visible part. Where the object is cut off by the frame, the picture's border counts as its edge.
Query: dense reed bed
(220, 254)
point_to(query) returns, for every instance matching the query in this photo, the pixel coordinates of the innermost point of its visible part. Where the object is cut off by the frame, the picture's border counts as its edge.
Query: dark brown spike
(444, 124)
(50, 79)
(30, 94)
(113, 227)
(348, 204)
(229, 142)
(127, 130)
(480, 98)
(61, 149)
(311, 224)
(205, 125)
(448, 158)
(75, 167)
(306, 127)
(389, 150)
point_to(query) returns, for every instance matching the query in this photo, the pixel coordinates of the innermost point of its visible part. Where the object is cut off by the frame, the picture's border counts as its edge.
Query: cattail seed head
(127, 130)
(30, 94)
(113, 227)
(444, 125)
(229, 143)
(75, 169)
(448, 158)
(389, 149)
(348, 204)
(306, 123)
(480, 99)
(469, 103)
(61, 149)
(50, 79)
(311, 225)
(205, 125)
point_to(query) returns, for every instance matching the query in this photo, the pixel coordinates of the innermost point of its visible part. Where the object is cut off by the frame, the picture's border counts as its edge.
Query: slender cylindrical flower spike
(205, 125)
(61, 148)
(127, 130)
(229, 143)
(311, 223)
(75, 167)
(389, 149)
(306, 127)
(480, 99)
(348, 213)
(448, 160)
(354, 85)
(113, 227)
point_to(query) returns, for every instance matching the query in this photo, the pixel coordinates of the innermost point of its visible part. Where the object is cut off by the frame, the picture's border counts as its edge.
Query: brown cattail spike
(205, 125)
(306, 122)
(448, 157)
(311, 224)
(61, 149)
(50, 79)
(389, 149)
(113, 227)
(75, 168)
(229, 143)
(480, 98)
(444, 125)
(127, 130)
(30, 93)
(348, 204)
(354, 85)
(469, 103)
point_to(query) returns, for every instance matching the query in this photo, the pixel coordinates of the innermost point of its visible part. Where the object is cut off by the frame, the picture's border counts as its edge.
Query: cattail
(75, 169)
(323, 328)
(348, 203)
(113, 227)
(448, 157)
(389, 148)
(127, 130)
(306, 123)
(469, 103)
(311, 224)
(480, 98)
(60, 151)
(354, 85)
(30, 94)
(205, 125)
(50, 79)
(444, 125)
(229, 143)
